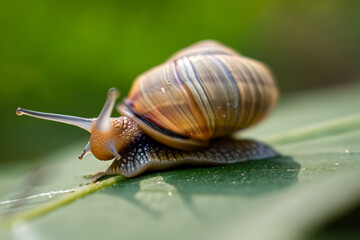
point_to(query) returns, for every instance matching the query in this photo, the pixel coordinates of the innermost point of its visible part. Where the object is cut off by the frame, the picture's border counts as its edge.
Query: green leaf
(289, 197)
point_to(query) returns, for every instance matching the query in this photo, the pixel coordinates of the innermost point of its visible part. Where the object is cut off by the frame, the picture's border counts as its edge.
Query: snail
(182, 112)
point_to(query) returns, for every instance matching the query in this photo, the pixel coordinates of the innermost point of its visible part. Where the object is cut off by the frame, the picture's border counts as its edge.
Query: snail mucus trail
(128, 139)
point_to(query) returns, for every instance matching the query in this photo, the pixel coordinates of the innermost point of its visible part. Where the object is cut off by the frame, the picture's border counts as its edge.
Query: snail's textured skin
(147, 154)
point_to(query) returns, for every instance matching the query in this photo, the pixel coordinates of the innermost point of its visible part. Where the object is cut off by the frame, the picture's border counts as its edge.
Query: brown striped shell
(204, 91)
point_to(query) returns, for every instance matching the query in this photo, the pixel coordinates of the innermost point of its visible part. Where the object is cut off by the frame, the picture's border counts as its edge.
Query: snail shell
(204, 91)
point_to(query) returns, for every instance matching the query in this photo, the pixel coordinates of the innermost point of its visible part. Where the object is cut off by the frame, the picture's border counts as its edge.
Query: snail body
(176, 112)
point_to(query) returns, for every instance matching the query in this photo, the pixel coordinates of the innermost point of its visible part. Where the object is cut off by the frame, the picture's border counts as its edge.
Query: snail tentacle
(84, 123)
(113, 150)
(103, 121)
(86, 151)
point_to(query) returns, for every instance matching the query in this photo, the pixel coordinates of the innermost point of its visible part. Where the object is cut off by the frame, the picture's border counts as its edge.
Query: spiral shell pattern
(204, 91)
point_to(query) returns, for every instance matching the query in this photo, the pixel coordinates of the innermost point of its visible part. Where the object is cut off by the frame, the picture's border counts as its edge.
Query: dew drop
(337, 164)
(163, 89)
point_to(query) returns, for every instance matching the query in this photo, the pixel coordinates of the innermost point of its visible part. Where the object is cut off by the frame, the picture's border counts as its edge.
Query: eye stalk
(108, 135)
(103, 121)
(103, 133)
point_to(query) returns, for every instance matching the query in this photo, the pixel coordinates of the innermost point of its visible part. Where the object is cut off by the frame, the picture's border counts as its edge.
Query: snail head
(109, 136)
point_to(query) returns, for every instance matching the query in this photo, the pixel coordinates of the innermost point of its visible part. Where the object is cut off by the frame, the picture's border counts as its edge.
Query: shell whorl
(204, 91)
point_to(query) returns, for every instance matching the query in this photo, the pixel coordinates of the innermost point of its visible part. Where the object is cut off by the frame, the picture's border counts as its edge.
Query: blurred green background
(63, 56)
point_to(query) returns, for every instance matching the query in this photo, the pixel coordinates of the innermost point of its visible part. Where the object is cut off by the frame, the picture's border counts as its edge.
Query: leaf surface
(289, 197)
